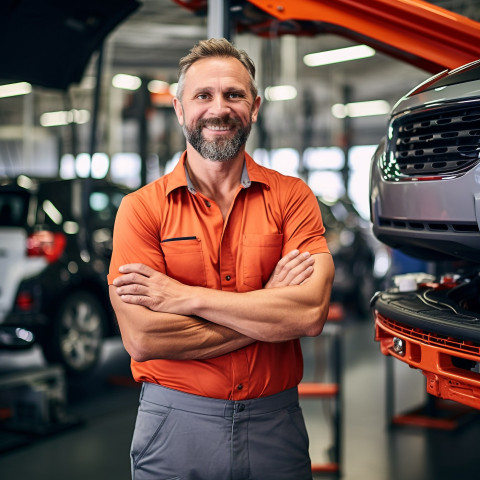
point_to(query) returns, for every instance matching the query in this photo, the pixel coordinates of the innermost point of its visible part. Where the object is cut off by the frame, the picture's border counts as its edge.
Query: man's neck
(214, 178)
(218, 181)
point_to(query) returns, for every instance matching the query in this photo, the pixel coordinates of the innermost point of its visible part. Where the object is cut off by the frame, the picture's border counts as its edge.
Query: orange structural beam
(414, 31)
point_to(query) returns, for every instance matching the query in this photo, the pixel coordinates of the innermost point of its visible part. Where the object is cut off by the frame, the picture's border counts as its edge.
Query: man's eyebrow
(236, 90)
(198, 90)
(201, 90)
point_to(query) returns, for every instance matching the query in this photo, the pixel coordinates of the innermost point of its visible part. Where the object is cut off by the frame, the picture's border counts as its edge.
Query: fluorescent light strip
(339, 55)
(54, 119)
(361, 109)
(13, 89)
(280, 93)
(127, 82)
(52, 211)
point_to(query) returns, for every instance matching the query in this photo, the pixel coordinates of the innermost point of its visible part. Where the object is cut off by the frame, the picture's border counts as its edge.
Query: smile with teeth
(219, 128)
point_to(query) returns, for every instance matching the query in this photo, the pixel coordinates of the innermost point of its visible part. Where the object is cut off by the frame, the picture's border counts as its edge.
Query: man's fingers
(299, 272)
(289, 261)
(292, 269)
(302, 276)
(133, 273)
(132, 289)
(130, 278)
(137, 268)
(136, 300)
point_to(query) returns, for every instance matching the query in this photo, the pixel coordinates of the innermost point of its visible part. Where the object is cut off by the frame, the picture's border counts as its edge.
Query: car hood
(462, 83)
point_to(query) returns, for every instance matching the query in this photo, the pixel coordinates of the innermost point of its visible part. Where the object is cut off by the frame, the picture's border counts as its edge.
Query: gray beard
(221, 150)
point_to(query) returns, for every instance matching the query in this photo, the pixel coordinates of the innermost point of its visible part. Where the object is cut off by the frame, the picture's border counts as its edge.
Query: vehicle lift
(32, 405)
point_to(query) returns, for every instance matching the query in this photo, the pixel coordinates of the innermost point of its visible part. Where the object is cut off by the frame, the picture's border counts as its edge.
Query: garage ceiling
(150, 42)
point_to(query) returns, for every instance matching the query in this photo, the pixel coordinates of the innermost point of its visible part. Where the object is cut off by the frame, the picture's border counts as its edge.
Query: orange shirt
(176, 230)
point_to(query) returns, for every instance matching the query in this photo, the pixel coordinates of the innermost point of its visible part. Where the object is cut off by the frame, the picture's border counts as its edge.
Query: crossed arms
(160, 317)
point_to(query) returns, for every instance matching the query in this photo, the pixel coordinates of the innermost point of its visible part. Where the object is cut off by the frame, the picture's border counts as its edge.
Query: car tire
(75, 337)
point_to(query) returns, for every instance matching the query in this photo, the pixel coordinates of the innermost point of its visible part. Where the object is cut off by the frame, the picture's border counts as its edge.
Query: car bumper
(431, 219)
(13, 338)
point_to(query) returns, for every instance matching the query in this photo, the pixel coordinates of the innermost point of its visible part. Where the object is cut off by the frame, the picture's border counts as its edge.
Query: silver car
(425, 175)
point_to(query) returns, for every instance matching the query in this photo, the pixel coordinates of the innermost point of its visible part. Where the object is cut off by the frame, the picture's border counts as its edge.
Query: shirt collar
(179, 177)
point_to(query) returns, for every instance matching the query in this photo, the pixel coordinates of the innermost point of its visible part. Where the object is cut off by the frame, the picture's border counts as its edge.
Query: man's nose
(220, 105)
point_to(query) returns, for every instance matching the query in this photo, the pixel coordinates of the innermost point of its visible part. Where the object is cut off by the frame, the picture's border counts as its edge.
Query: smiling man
(218, 269)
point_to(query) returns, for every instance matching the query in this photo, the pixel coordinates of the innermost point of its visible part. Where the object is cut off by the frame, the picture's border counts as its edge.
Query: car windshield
(13, 208)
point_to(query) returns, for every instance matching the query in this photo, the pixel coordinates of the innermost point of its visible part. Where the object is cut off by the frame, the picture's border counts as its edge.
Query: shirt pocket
(184, 260)
(260, 255)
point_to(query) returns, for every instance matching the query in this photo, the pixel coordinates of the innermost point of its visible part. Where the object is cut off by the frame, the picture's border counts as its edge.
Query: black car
(55, 248)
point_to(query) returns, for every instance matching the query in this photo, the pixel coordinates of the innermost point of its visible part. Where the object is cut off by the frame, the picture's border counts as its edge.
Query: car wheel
(75, 339)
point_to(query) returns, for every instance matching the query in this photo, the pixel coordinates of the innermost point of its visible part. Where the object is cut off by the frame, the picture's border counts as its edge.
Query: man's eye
(234, 95)
(202, 96)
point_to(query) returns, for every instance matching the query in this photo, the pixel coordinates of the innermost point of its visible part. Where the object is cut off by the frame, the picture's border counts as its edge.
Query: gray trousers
(179, 436)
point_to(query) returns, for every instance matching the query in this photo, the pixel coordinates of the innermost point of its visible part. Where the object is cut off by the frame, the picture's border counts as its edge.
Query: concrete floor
(98, 446)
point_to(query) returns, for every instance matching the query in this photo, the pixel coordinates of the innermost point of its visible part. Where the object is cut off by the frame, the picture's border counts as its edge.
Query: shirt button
(239, 386)
(208, 204)
(228, 277)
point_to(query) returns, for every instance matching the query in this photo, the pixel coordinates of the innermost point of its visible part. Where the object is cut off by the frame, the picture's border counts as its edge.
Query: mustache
(218, 122)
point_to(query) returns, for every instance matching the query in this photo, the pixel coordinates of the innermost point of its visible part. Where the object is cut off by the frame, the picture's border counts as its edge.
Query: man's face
(217, 108)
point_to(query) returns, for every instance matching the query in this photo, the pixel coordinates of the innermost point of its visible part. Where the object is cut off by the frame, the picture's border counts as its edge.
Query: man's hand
(293, 269)
(142, 285)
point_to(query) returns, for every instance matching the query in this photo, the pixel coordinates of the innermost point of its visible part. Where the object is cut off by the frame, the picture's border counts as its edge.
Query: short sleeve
(135, 236)
(302, 220)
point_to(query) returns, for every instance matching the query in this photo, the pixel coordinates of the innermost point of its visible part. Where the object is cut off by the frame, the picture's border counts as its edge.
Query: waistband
(159, 395)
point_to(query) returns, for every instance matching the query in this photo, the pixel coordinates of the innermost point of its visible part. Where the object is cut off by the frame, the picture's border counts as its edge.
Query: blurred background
(97, 118)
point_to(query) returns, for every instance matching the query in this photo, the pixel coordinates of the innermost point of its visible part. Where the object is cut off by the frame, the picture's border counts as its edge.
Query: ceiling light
(158, 86)
(100, 165)
(339, 55)
(281, 92)
(24, 182)
(83, 165)
(127, 82)
(361, 109)
(55, 119)
(13, 89)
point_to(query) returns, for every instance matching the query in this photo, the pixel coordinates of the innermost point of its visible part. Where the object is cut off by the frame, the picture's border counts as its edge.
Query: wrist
(190, 301)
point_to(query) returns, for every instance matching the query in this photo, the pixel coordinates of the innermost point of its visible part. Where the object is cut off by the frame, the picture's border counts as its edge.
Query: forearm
(149, 335)
(271, 315)
(151, 308)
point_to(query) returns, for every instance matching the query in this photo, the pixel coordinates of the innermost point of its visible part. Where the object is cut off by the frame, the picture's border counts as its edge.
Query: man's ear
(177, 105)
(256, 108)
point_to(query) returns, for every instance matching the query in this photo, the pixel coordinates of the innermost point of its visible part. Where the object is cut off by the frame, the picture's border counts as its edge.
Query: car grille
(416, 225)
(438, 141)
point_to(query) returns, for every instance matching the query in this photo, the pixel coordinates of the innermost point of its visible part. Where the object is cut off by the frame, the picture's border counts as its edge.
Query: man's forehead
(225, 67)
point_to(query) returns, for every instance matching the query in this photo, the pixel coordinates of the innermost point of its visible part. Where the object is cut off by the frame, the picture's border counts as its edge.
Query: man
(217, 270)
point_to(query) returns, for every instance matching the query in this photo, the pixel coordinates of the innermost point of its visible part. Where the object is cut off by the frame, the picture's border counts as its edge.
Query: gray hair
(215, 47)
